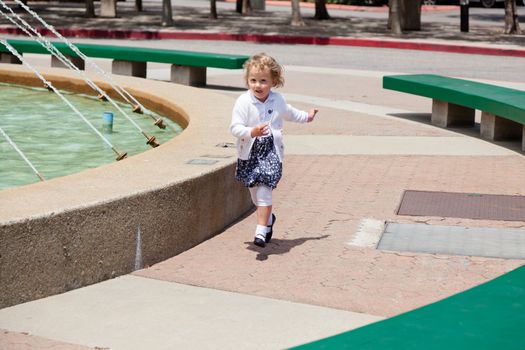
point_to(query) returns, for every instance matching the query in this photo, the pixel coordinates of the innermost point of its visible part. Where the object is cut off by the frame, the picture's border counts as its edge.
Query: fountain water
(21, 154)
(28, 29)
(48, 84)
(137, 107)
(139, 263)
(43, 127)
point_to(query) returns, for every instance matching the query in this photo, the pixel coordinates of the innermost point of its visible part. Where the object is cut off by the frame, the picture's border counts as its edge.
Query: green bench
(454, 102)
(187, 67)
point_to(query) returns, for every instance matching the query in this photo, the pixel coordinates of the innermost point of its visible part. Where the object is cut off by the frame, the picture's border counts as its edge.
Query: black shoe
(259, 242)
(269, 233)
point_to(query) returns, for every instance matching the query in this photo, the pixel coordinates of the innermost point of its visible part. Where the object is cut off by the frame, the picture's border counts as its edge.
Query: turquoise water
(57, 141)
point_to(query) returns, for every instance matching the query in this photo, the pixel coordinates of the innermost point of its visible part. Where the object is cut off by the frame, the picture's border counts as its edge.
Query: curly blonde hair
(262, 61)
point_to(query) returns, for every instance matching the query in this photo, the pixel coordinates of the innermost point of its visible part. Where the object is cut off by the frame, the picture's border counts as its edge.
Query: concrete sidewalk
(132, 312)
(321, 274)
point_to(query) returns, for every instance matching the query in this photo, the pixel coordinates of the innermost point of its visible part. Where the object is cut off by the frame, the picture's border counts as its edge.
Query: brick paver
(321, 204)
(24, 341)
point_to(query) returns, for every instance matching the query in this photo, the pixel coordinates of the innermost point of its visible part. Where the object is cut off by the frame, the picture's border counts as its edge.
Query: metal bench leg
(134, 69)
(446, 114)
(193, 76)
(9, 58)
(497, 128)
(77, 61)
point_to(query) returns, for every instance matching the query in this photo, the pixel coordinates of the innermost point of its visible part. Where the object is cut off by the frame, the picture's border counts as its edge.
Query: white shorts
(261, 195)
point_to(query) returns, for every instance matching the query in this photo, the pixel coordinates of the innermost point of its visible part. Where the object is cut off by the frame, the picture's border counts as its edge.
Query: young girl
(257, 122)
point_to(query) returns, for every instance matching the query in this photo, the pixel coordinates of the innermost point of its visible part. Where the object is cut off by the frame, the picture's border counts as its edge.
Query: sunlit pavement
(343, 178)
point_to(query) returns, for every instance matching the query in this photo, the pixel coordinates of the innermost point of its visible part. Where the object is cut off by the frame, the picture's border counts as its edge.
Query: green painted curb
(489, 316)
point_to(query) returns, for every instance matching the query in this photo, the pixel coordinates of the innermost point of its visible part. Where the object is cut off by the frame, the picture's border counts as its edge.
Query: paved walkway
(343, 178)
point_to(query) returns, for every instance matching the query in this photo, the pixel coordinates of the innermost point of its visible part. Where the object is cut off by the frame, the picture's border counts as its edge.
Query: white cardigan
(249, 112)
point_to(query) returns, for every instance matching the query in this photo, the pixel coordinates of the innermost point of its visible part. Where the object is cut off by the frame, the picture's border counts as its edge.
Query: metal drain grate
(463, 205)
(454, 240)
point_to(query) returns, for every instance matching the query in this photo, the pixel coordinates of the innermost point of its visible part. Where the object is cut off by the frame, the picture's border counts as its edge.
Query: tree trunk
(411, 14)
(90, 9)
(320, 10)
(394, 17)
(297, 20)
(213, 9)
(138, 5)
(238, 6)
(167, 19)
(246, 8)
(404, 15)
(512, 25)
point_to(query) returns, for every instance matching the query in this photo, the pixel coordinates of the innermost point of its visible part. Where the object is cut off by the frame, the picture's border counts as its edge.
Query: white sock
(260, 232)
(270, 219)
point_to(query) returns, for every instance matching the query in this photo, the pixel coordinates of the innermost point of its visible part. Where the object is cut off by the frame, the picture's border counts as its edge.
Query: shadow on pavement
(279, 246)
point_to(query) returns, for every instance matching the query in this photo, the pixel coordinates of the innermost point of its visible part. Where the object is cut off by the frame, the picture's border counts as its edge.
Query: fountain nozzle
(160, 123)
(152, 142)
(121, 156)
(137, 109)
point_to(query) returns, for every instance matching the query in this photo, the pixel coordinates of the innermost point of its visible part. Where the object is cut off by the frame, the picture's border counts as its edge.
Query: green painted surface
(501, 101)
(489, 316)
(126, 53)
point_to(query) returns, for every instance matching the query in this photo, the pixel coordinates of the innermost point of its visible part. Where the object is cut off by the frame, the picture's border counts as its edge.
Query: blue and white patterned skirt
(263, 167)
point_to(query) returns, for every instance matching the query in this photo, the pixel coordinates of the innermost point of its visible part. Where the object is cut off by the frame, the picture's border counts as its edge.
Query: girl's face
(260, 83)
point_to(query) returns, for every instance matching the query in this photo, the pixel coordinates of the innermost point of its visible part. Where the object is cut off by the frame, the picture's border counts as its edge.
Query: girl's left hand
(311, 114)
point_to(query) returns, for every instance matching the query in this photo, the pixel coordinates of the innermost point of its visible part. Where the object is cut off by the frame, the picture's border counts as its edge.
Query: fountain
(80, 229)
(34, 34)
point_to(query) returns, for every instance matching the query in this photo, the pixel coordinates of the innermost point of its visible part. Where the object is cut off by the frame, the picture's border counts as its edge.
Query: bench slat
(501, 101)
(137, 54)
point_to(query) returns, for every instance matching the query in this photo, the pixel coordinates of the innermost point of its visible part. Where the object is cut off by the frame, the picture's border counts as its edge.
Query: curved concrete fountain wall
(80, 229)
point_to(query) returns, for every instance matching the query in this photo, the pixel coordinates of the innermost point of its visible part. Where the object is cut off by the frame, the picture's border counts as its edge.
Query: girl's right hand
(260, 130)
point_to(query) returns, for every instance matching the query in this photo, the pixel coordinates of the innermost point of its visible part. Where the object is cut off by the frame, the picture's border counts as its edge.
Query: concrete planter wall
(80, 229)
